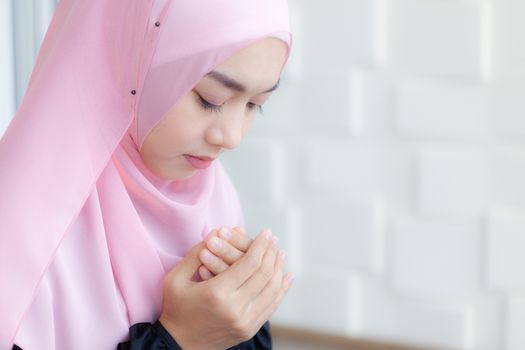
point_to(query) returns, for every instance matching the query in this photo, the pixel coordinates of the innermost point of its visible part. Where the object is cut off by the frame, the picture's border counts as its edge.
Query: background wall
(390, 162)
(23, 24)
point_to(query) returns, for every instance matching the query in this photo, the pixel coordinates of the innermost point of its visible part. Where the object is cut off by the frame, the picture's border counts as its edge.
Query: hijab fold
(77, 203)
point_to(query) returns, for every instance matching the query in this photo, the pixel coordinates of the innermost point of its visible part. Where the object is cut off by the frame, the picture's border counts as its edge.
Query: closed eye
(217, 108)
(251, 106)
(209, 106)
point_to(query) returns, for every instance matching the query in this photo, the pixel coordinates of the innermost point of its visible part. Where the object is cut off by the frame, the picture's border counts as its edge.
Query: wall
(23, 24)
(392, 164)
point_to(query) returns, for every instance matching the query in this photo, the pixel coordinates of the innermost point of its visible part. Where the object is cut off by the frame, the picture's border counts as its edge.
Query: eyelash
(217, 108)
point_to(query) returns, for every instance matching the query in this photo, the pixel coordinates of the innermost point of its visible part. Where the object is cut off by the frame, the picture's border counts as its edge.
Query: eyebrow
(233, 84)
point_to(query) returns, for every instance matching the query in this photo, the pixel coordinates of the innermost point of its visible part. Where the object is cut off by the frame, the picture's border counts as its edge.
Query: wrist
(175, 332)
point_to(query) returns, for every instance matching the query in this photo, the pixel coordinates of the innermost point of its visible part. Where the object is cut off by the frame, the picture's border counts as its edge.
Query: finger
(270, 309)
(245, 267)
(188, 266)
(270, 291)
(205, 273)
(236, 237)
(258, 281)
(240, 229)
(211, 233)
(212, 263)
(224, 250)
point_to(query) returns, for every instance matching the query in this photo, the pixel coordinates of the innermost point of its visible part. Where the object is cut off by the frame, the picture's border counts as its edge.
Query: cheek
(177, 138)
(248, 125)
(180, 128)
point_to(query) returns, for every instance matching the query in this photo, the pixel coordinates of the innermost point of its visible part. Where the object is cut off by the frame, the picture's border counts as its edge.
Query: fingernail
(216, 243)
(275, 239)
(225, 233)
(268, 235)
(207, 256)
(290, 278)
(282, 255)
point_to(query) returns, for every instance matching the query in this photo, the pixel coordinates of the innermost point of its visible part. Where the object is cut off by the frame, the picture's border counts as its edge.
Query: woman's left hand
(223, 247)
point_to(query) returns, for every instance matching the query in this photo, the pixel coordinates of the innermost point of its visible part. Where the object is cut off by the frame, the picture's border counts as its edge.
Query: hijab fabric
(87, 231)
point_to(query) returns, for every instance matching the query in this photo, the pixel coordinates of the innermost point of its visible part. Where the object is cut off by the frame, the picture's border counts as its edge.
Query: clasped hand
(242, 285)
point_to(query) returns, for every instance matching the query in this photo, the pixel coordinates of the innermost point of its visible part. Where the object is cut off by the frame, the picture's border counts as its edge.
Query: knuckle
(217, 268)
(271, 291)
(171, 285)
(231, 316)
(273, 307)
(215, 298)
(275, 289)
(280, 297)
(252, 261)
(235, 242)
(245, 241)
(213, 263)
(230, 253)
(236, 253)
(267, 272)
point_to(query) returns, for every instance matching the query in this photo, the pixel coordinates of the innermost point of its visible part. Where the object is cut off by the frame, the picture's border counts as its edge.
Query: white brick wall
(435, 38)
(507, 171)
(509, 56)
(23, 24)
(452, 180)
(403, 126)
(515, 317)
(347, 236)
(442, 109)
(452, 270)
(352, 21)
(7, 83)
(506, 238)
(508, 107)
(391, 163)
(325, 301)
(431, 322)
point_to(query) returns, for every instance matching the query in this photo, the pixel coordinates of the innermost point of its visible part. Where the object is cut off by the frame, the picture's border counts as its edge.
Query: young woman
(112, 194)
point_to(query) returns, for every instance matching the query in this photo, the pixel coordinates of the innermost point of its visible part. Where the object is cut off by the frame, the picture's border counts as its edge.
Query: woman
(107, 193)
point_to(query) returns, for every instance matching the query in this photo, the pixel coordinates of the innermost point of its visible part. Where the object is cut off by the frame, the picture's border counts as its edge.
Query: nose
(227, 132)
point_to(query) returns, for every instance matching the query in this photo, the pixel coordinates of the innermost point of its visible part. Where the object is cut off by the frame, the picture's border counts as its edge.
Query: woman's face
(216, 114)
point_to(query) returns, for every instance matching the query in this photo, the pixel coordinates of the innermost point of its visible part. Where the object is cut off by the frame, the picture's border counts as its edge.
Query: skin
(230, 307)
(213, 117)
(243, 279)
(224, 247)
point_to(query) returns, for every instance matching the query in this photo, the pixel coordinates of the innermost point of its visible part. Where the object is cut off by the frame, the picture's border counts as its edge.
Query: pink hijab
(87, 232)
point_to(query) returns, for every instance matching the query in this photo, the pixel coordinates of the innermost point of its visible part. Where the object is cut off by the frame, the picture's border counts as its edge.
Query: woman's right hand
(229, 308)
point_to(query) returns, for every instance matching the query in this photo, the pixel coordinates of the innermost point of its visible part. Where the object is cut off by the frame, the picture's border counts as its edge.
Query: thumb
(188, 266)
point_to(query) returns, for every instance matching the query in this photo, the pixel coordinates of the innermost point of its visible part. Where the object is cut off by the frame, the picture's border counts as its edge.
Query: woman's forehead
(254, 68)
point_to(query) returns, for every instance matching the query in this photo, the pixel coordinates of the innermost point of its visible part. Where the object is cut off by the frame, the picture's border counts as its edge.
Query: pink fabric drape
(86, 231)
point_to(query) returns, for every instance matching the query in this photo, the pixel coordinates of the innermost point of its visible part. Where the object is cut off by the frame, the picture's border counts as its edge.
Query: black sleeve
(147, 336)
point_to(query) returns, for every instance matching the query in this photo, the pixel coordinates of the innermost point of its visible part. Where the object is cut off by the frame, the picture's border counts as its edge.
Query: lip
(199, 162)
(204, 158)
